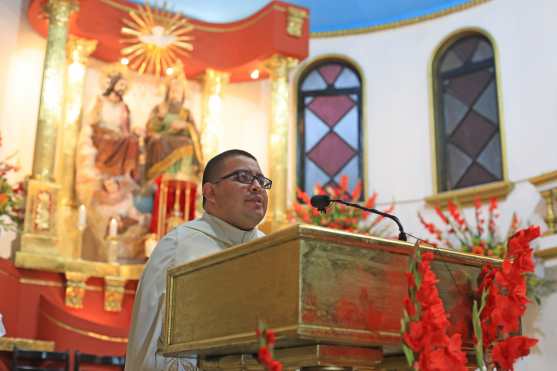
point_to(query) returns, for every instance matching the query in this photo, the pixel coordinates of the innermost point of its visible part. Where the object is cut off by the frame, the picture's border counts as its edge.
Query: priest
(235, 201)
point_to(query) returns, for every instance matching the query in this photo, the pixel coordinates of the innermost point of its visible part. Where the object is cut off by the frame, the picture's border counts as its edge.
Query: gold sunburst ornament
(155, 38)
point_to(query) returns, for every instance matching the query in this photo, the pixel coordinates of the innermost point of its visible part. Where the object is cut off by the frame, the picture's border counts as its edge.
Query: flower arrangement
(502, 303)
(499, 306)
(267, 340)
(426, 343)
(11, 198)
(457, 233)
(340, 216)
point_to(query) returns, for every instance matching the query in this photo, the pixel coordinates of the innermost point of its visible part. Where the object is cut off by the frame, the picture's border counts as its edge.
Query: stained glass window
(468, 138)
(329, 125)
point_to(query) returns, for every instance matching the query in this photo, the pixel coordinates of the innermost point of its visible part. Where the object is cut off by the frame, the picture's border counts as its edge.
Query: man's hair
(212, 170)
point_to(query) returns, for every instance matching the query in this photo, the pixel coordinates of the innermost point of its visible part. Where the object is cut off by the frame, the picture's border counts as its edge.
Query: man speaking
(235, 201)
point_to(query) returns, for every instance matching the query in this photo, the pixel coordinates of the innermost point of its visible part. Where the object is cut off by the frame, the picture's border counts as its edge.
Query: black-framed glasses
(245, 177)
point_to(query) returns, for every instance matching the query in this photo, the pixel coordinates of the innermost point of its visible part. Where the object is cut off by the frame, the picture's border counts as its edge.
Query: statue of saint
(117, 147)
(172, 141)
(107, 171)
(173, 153)
(114, 200)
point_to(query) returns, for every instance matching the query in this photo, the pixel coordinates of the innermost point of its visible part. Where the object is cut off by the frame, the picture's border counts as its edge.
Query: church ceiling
(327, 16)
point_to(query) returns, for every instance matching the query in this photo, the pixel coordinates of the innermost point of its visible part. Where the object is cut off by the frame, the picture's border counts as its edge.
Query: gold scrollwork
(114, 293)
(75, 289)
(295, 21)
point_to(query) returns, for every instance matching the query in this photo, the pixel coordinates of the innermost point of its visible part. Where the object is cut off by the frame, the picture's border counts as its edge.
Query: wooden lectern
(335, 300)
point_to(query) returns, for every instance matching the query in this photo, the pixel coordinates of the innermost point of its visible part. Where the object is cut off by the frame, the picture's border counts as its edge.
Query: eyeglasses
(245, 177)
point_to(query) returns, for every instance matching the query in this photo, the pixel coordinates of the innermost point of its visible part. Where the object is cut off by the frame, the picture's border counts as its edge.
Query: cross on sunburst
(155, 39)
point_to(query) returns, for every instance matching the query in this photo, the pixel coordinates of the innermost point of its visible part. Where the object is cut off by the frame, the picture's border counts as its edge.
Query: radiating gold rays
(155, 38)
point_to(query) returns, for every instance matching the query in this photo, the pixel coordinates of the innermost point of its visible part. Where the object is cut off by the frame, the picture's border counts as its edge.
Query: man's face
(242, 205)
(176, 91)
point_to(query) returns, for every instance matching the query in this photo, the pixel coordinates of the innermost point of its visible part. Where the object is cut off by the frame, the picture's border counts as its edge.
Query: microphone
(321, 202)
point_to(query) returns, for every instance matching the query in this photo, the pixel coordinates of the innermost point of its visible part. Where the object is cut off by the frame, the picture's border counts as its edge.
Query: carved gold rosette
(75, 289)
(114, 293)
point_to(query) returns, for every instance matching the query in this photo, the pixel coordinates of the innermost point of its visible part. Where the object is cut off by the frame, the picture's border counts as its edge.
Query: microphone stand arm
(401, 235)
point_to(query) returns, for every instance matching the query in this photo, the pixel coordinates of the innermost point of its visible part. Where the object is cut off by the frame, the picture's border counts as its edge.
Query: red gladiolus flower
(478, 250)
(441, 215)
(506, 352)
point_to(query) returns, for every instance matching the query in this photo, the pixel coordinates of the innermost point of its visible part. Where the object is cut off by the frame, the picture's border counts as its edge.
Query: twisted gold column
(213, 83)
(279, 67)
(40, 232)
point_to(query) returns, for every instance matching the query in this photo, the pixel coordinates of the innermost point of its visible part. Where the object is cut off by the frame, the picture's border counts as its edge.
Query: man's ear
(209, 192)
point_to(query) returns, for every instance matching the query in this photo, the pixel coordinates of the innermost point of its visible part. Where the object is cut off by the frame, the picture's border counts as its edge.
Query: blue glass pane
(347, 79)
(313, 175)
(347, 128)
(483, 52)
(314, 130)
(314, 81)
(487, 104)
(352, 170)
(451, 61)
(490, 158)
(454, 111)
(458, 162)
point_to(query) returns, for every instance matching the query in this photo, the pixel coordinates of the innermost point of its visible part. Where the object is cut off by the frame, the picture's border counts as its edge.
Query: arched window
(468, 139)
(329, 125)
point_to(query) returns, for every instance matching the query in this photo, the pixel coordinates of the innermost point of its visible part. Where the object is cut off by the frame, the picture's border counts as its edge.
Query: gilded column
(279, 67)
(213, 83)
(40, 234)
(78, 51)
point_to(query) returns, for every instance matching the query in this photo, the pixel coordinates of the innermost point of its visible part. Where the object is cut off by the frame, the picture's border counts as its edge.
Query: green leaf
(408, 354)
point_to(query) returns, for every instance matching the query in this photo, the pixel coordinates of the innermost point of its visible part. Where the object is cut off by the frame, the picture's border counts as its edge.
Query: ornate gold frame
(483, 191)
(294, 104)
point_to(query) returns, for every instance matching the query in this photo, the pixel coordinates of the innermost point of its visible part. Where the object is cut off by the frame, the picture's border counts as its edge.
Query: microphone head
(320, 202)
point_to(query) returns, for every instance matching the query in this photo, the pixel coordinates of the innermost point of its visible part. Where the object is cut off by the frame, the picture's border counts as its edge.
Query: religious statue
(117, 147)
(173, 157)
(114, 200)
(107, 146)
(107, 161)
(172, 141)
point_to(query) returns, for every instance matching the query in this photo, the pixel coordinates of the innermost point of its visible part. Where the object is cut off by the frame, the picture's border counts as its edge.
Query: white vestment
(185, 243)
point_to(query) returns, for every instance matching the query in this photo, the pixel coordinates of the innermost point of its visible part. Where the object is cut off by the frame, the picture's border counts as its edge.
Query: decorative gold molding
(75, 289)
(61, 264)
(114, 293)
(547, 253)
(91, 334)
(544, 178)
(8, 344)
(432, 78)
(401, 23)
(295, 21)
(467, 196)
(37, 282)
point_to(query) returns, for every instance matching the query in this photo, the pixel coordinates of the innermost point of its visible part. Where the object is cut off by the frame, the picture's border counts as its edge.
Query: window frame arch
(299, 123)
(496, 188)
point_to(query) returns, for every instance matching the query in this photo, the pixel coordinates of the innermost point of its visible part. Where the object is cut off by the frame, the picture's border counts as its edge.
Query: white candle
(113, 228)
(82, 218)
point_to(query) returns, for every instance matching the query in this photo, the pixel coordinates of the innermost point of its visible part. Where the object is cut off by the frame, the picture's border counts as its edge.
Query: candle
(113, 228)
(82, 218)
